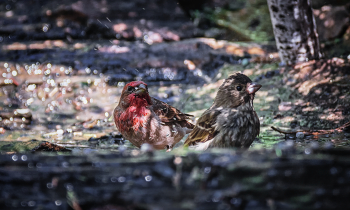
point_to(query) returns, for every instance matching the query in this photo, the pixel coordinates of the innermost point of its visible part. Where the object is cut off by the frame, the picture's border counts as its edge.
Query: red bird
(143, 119)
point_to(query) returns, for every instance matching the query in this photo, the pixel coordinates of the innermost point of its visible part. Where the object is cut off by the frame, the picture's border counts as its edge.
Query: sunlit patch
(235, 49)
(60, 132)
(270, 98)
(256, 51)
(190, 65)
(30, 101)
(118, 28)
(115, 49)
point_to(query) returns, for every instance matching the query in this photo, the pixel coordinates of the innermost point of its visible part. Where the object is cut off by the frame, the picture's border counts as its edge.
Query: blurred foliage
(17, 146)
(245, 20)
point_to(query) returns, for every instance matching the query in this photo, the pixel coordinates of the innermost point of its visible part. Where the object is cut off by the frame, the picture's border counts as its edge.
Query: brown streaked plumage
(143, 119)
(231, 121)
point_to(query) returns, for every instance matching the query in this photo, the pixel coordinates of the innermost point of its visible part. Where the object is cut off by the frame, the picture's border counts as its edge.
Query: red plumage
(143, 119)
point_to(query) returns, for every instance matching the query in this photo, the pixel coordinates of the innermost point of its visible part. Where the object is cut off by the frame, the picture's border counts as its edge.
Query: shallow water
(69, 110)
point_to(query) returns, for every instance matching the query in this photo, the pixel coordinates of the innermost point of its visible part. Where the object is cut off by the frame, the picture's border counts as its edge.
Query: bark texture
(295, 30)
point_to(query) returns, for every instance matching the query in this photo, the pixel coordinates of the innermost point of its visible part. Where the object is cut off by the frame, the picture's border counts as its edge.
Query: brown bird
(143, 119)
(231, 121)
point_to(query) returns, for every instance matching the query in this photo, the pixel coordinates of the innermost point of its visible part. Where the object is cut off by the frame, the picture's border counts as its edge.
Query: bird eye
(130, 88)
(239, 88)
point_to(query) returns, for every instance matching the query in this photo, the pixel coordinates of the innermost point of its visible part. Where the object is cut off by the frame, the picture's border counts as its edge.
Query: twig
(316, 132)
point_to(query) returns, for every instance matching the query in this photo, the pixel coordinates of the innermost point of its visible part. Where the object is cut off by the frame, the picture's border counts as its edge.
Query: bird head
(135, 93)
(237, 89)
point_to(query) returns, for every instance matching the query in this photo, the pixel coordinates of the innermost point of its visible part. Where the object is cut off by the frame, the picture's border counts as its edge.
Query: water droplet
(69, 187)
(24, 158)
(45, 28)
(308, 151)
(31, 203)
(58, 202)
(49, 185)
(334, 170)
(121, 179)
(65, 164)
(148, 178)
(215, 199)
(236, 201)
(207, 170)
(14, 157)
(23, 203)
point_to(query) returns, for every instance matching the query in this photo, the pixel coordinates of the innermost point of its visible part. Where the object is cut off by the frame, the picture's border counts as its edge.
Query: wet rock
(112, 138)
(207, 181)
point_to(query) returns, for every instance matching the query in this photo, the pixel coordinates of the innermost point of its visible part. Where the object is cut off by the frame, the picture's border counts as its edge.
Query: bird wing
(205, 128)
(168, 114)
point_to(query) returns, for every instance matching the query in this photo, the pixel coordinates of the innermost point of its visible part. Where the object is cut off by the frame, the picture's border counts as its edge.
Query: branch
(315, 132)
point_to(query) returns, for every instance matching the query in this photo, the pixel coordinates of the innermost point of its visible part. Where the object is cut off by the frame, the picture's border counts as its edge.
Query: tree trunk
(295, 30)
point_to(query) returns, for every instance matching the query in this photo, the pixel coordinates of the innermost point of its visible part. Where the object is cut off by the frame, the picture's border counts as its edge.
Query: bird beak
(252, 88)
(141, 89)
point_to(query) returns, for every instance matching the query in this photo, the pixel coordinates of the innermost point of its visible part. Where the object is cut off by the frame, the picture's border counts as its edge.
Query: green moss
(17, 146)
(248, 22)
